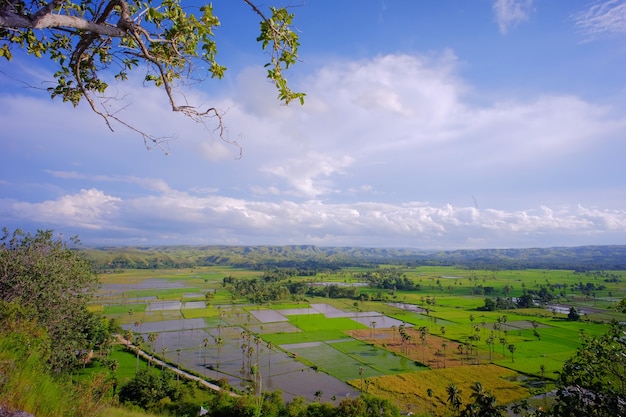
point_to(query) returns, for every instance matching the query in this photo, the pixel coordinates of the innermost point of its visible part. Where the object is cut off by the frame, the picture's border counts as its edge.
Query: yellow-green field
(542, 339)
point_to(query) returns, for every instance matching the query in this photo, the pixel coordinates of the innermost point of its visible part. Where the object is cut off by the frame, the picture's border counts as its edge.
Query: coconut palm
(205, 344)
(454, 397)
(512, 349)
(139, 340)
(163, 352)
(178, 362)
(152, 338)
(269, 346)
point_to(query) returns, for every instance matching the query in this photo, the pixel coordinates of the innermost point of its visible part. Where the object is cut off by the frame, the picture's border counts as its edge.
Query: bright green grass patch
(581, 327)
(127, 365)
(315, 328)
(315, 322)
(124, 309)
(124, 412)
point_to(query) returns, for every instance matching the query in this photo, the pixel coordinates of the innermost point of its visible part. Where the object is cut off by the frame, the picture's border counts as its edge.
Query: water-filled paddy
(192, 342)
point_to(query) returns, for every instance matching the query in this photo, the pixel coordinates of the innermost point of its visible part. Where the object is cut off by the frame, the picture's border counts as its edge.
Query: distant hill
(309, 256)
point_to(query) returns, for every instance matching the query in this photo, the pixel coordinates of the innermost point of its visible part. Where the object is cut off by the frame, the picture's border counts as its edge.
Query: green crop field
(452, 299)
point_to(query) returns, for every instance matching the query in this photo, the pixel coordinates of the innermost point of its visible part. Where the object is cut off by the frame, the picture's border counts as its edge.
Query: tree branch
(47, 21)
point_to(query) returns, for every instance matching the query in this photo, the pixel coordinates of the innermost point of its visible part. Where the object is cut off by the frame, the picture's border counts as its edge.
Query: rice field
(354, 346)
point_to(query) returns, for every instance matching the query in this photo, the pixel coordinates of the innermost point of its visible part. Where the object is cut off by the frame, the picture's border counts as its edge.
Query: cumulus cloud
(89, 209)
(387, 151)
(510, 13)
(209, 219)
(601, 19)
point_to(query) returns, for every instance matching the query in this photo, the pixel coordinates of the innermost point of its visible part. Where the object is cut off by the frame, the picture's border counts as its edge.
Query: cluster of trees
(388, 279)
(275, 287)
(161, 393)
(500, 303)
(52, 284)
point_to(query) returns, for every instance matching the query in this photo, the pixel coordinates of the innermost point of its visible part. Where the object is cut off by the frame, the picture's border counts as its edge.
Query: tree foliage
(45, 276)
(89, 39)
(593, 382)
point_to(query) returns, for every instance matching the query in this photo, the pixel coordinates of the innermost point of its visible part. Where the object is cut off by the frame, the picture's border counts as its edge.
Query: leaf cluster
(44, 276)
(92, 40)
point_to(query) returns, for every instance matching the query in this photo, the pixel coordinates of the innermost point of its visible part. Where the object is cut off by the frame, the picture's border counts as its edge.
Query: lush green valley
(307, 331)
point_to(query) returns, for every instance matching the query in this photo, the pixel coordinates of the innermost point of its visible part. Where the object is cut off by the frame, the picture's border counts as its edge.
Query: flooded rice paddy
(192, 343)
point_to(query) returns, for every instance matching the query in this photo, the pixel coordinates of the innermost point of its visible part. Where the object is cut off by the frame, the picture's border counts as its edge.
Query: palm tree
(423, 332)
(542, 371)
(477, 390)
(512, 349)
(257, 341)
(270, 346)
(138, 343)
(128, 335)
(163, 352)
(244, 348)
(152, 338)
(484, 403)
(178, 361)
(361, 375)
(219, 342)
(490, 342)
(454, 397)
(205, 344)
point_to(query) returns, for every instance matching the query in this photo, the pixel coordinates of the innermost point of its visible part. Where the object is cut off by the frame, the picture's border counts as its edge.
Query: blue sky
(427, 124)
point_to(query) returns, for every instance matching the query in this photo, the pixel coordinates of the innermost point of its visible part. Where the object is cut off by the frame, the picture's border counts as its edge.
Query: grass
(27, 386)
(124, 309)
(411, 388)
(124, 412)
(359, 360)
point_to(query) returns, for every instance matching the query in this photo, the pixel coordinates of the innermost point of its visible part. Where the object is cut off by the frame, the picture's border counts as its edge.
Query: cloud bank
(397, 150)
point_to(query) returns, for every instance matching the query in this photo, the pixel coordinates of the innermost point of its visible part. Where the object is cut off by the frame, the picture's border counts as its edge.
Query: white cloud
(386, 152)
(89, 209)
(603, 18)
(307, 174)
(510, 13)
(184, 218)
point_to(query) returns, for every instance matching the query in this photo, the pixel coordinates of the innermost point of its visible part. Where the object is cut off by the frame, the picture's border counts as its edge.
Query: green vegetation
(46, 277)
(446, 354)
(165, 41)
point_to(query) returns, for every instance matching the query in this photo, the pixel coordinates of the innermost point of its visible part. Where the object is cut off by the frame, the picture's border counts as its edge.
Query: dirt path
(174, 369)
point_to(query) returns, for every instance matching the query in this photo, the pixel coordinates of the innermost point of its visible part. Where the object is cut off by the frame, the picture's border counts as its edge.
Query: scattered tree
(573, 314)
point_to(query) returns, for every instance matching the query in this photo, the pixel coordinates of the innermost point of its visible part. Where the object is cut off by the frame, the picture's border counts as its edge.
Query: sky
(447, 124)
